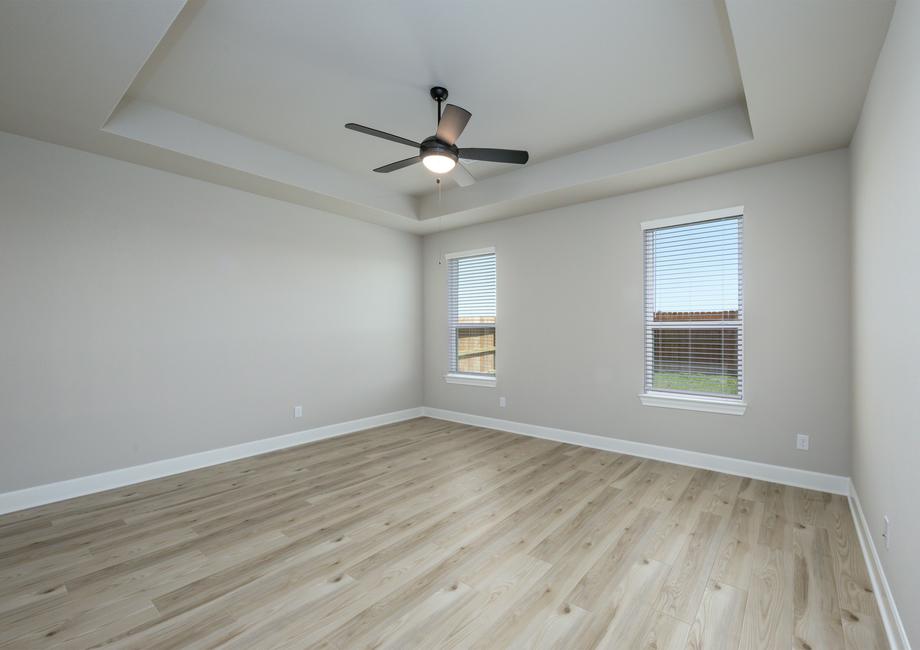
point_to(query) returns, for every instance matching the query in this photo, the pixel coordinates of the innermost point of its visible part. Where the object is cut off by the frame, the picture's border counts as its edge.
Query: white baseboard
(894, 627)
(773, 473)
(48, 493)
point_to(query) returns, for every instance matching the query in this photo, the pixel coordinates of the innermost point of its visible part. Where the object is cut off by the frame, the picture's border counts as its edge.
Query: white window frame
(468, 379)
(692, 402)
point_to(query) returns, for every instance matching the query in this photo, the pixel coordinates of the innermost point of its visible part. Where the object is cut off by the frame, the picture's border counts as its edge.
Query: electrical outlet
(502, 402)
(886, 531)
(298, 411)
(801, 441)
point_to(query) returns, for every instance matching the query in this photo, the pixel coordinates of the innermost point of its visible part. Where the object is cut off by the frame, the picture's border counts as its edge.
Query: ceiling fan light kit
(439, 153)
(438, 157)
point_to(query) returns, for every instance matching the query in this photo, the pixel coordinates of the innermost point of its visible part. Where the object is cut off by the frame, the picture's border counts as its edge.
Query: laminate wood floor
(429, 534)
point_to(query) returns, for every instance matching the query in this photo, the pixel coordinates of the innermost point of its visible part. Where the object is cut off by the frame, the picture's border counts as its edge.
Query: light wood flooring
(428, 534)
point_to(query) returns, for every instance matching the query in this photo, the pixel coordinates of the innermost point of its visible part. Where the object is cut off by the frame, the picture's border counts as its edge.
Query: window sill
(694, 403)
(470, 380)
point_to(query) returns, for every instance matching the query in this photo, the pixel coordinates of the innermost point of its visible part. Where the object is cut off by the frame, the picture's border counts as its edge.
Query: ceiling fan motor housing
(432, 146)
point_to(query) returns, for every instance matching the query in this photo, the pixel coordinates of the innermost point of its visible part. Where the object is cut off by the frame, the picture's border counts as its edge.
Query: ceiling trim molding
(150, 124)
(561, 178)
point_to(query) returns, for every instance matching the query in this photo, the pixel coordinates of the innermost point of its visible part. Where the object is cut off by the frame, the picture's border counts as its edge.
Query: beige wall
(580, 268)
(886, 307)
(146, 315)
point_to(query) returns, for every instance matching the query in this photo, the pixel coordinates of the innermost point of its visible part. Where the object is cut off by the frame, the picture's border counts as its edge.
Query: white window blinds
(693, 308)
(471, 312)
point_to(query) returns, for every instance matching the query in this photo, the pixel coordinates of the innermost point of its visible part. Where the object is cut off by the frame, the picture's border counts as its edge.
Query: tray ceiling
(608, 97)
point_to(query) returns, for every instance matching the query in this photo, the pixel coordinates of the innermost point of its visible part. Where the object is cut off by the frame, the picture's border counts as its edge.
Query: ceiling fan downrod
(439, 94)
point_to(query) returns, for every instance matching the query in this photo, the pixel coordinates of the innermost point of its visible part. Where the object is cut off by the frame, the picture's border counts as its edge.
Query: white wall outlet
(886, 531)
(801, 441)
(298, 411)
(502, 402)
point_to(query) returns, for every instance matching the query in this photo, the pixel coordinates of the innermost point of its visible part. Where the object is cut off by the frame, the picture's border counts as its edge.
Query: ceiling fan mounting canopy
(439, 93)
(439, 153)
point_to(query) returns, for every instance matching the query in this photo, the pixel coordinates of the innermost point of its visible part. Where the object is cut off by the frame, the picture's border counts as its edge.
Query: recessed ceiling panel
(553, 78)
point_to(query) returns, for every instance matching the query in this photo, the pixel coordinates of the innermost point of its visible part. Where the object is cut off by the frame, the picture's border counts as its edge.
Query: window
(694, 312)
(471, 317)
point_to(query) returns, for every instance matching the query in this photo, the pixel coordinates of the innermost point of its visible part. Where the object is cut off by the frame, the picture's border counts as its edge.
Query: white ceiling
(552, 78)
(607, 96)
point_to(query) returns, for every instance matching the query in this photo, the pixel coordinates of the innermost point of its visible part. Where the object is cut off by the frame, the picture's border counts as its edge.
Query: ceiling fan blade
(496, 155)
(453, 121)
(381, 134)
(399, 164)
(462, 176)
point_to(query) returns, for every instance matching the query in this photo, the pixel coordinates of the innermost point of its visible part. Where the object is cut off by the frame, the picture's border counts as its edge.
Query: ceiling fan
(439, 153)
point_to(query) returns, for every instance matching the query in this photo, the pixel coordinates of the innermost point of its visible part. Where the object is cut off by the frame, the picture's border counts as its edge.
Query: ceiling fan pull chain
(441, 253)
